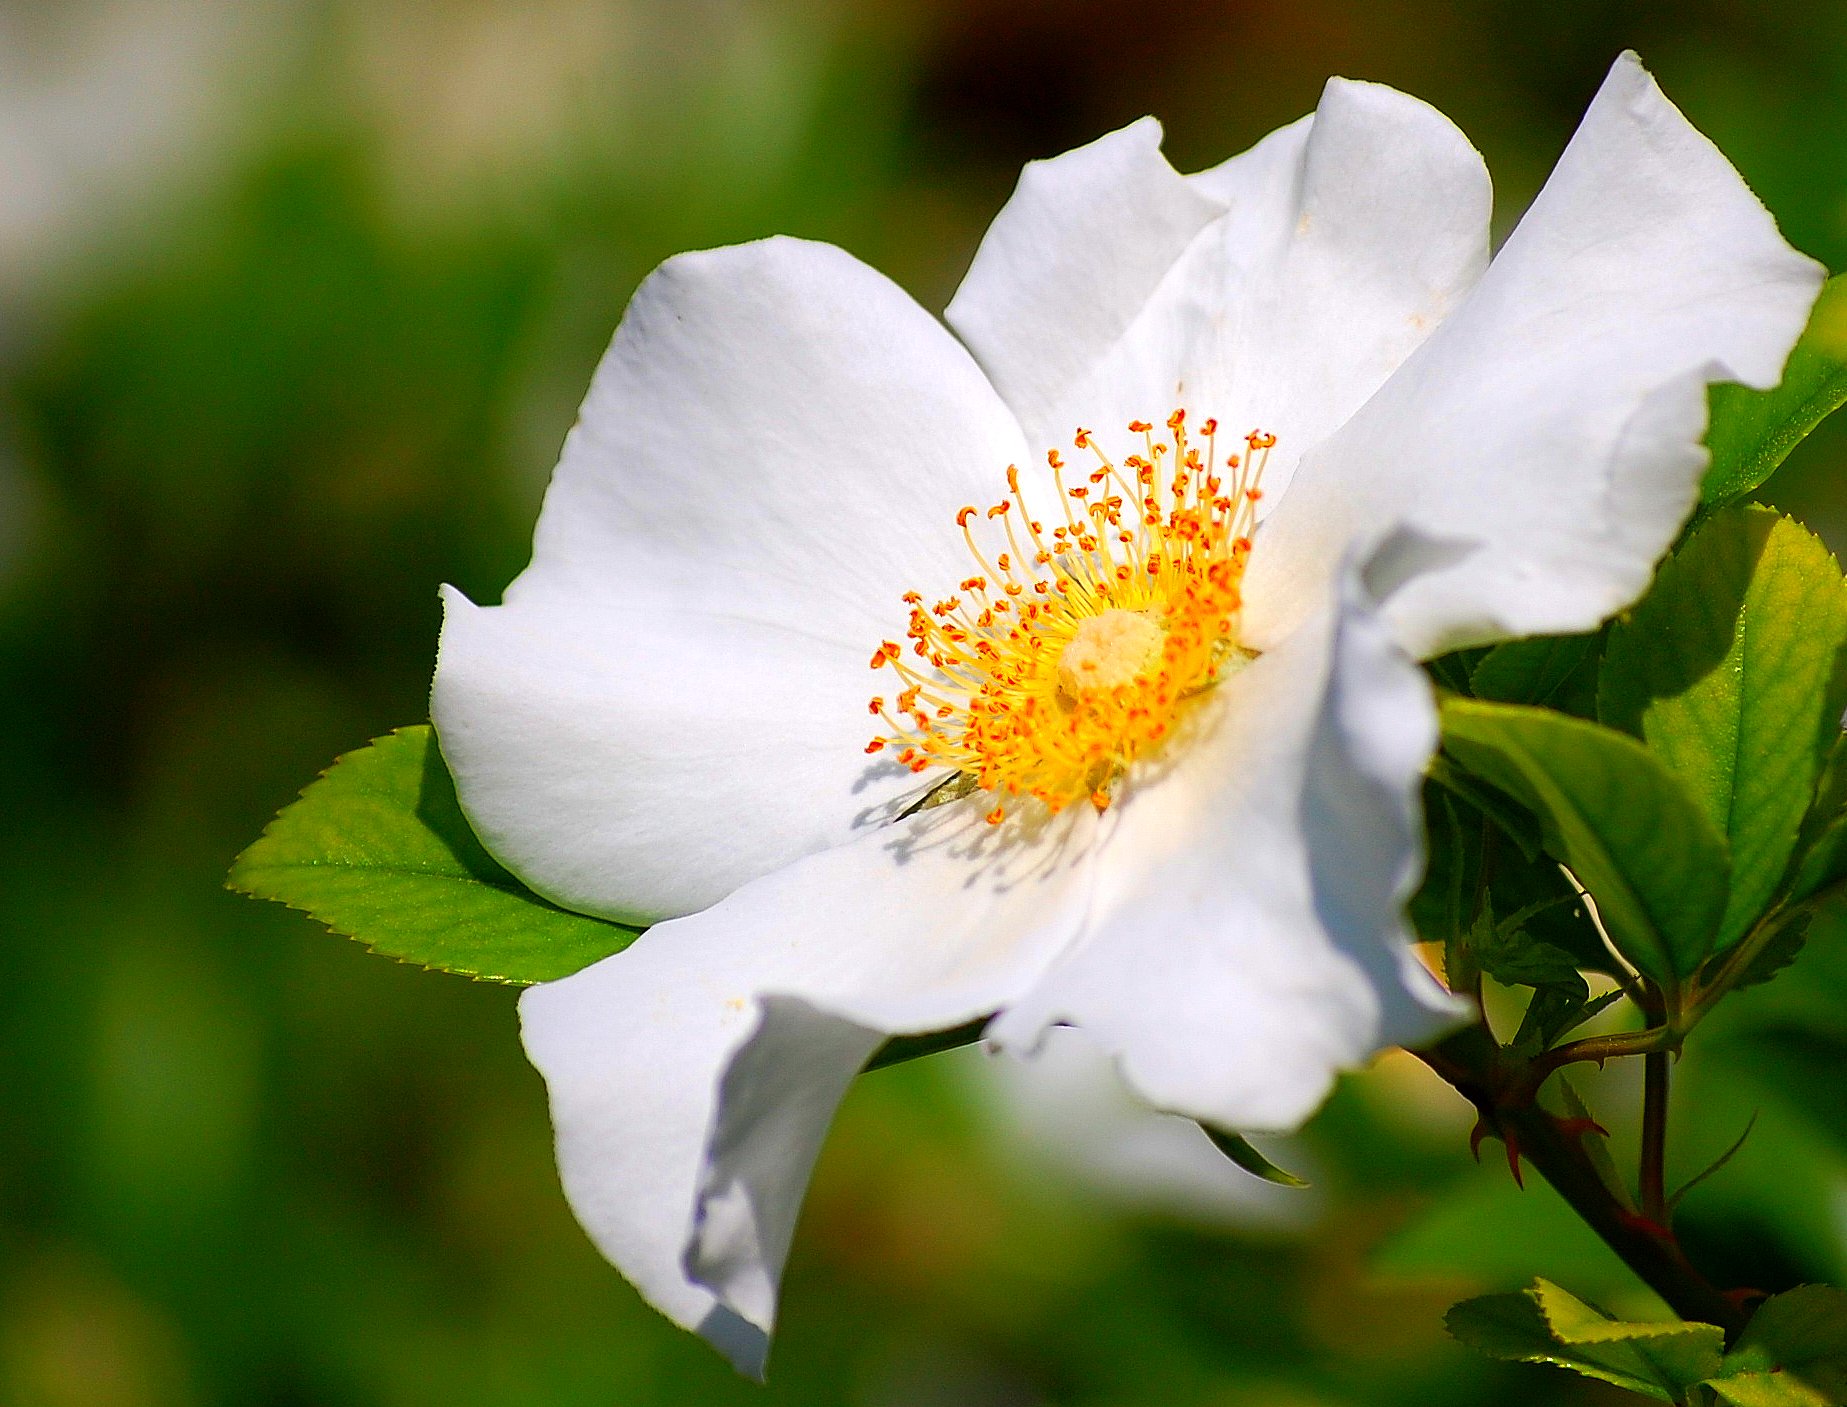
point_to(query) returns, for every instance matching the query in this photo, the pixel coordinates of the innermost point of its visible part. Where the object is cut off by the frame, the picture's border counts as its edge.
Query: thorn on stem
(1578, 1128)
(1484, 1130)
(1513, 1158)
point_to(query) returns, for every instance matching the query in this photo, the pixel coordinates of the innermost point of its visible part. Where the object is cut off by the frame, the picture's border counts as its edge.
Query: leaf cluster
(1684, 781)
(1682, 773)
(1793, 1354)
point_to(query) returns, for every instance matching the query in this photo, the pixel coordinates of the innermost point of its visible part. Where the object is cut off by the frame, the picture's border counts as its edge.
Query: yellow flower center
(1109, 651)
(1067, 656)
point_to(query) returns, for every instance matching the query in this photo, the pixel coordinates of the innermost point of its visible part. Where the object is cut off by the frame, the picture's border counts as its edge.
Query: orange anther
(995, 709)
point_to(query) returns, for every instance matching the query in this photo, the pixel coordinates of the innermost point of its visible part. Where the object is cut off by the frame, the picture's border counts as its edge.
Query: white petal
(1346, 238)
(1070, 261)
(673, 698)
(692, 1077)
(1067, 1113)
(642, 762)
(1247, 938)
(1555, 418)
(777, 433)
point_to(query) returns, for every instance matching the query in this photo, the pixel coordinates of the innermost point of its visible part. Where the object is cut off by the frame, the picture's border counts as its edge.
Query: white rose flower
(1194, 738)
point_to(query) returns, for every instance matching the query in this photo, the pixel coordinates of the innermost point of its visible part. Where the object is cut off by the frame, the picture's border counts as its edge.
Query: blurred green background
(296, 302)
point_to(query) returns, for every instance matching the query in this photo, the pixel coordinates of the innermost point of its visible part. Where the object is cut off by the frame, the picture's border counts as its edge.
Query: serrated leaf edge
(238, 880)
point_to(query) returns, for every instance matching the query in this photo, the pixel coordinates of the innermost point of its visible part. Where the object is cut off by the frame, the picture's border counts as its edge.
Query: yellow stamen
(1091, 642)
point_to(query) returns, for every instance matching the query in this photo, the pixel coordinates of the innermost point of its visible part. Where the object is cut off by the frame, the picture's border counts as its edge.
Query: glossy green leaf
(1751, 432)
(1545, 1324)
(378, 849)
(1242, 1152)
(1543, 670)
(1609, 810)
(1793, 1353)
(1730, 669)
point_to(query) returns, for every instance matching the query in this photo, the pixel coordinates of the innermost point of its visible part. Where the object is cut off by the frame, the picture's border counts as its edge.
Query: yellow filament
(1069, 654)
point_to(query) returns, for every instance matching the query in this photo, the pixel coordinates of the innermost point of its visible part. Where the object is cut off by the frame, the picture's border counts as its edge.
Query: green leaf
(1555, 1012)
(1615, 816)
(1793, 1353)
(1825, 864)
(1512, 956)
(1678, 1352)
(1768, 1390)
(1240, 1150)
(1784, 947)
(1440, 909)
(1730, 670)
(1452, 671)
(1751, 432)
(1471, 861)
(1830, 793)
(900, 1049)
(378, 849)
(1545, 1324)
(1549, 1014)
(1514, 821)
(1542, 670)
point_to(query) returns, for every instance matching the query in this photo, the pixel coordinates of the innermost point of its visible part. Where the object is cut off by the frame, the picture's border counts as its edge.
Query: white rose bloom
(1196, 738)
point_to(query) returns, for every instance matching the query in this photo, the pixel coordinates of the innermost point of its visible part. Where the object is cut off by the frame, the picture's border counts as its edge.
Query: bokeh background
(296, 301)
